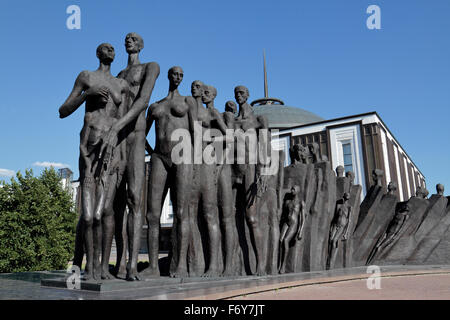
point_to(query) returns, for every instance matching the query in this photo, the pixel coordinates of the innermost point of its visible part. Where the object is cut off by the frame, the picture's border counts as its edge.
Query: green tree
(37, 223)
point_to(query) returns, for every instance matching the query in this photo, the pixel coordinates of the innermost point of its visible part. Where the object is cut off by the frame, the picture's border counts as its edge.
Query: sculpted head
(197, 88)
(209, 94)
(313, 147)
(241, 94)
(106, 53)
(392, 187)
(421, 192)
(301, 153)
(440, 189)
(314, 151)
(304, 154)
(350, 175)
(133, 43)
(295, 152)
(175, 75)
(404, 207)
(230, 106)
(340, 171)
(346, 196)
(295, 190)
(377, 175)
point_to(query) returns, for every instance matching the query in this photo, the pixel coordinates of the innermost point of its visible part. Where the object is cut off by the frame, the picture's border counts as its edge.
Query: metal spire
(266, 100)
(266, 90)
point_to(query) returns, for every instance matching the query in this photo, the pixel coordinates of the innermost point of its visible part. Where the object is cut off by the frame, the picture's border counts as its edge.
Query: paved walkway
(397, 282)
(420, 287)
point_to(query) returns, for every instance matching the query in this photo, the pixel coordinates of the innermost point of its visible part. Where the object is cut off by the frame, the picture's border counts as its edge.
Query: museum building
(360, 143)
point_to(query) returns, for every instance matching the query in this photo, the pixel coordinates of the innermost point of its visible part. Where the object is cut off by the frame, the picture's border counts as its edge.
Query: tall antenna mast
(266, 89)
(266, 100)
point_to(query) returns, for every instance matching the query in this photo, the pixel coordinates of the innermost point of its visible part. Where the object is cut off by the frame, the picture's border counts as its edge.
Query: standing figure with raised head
(293, 225)
(106, 100)
(141, 78)
(169, 114)
(270, 178)
(339, 227)
(205, 188)
(246, 125)
(226, 198)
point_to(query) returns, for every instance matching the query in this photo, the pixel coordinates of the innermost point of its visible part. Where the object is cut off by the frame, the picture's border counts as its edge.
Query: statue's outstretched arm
(76, 97)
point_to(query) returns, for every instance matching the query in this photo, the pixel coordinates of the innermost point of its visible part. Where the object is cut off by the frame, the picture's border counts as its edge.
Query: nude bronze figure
(226, 197)
(339, 227)
(293, 225)
(205, 191)
(168, 114)
(106, 100)
(248, 123)
(141, 78)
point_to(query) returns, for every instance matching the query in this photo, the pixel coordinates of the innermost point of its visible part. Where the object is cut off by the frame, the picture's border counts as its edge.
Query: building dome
(280, 116)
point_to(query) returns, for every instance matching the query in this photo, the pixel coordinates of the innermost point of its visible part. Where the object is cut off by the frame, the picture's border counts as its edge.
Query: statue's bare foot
(106, 275)
(97, 274)
(210, 273)
(228, 273)
(150, 272)
(133, 275)
(87, 275)
(122, 273)
(179, 273)
(261, 272)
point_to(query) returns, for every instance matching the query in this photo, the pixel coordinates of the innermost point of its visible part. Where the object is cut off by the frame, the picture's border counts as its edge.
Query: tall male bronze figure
(141, 78)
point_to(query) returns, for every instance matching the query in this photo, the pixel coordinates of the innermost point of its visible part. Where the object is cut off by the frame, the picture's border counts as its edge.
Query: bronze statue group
(230, 218)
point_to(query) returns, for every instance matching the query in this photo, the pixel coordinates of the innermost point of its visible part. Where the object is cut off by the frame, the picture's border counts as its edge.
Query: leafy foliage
(37, 223)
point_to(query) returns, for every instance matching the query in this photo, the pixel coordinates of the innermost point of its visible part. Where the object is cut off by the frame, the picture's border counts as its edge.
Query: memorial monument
(232, 216)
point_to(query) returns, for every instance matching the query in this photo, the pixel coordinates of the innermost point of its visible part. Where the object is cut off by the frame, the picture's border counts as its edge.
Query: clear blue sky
(320, 57)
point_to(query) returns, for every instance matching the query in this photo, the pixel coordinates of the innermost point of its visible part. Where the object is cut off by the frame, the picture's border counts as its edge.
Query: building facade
(359, 143)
